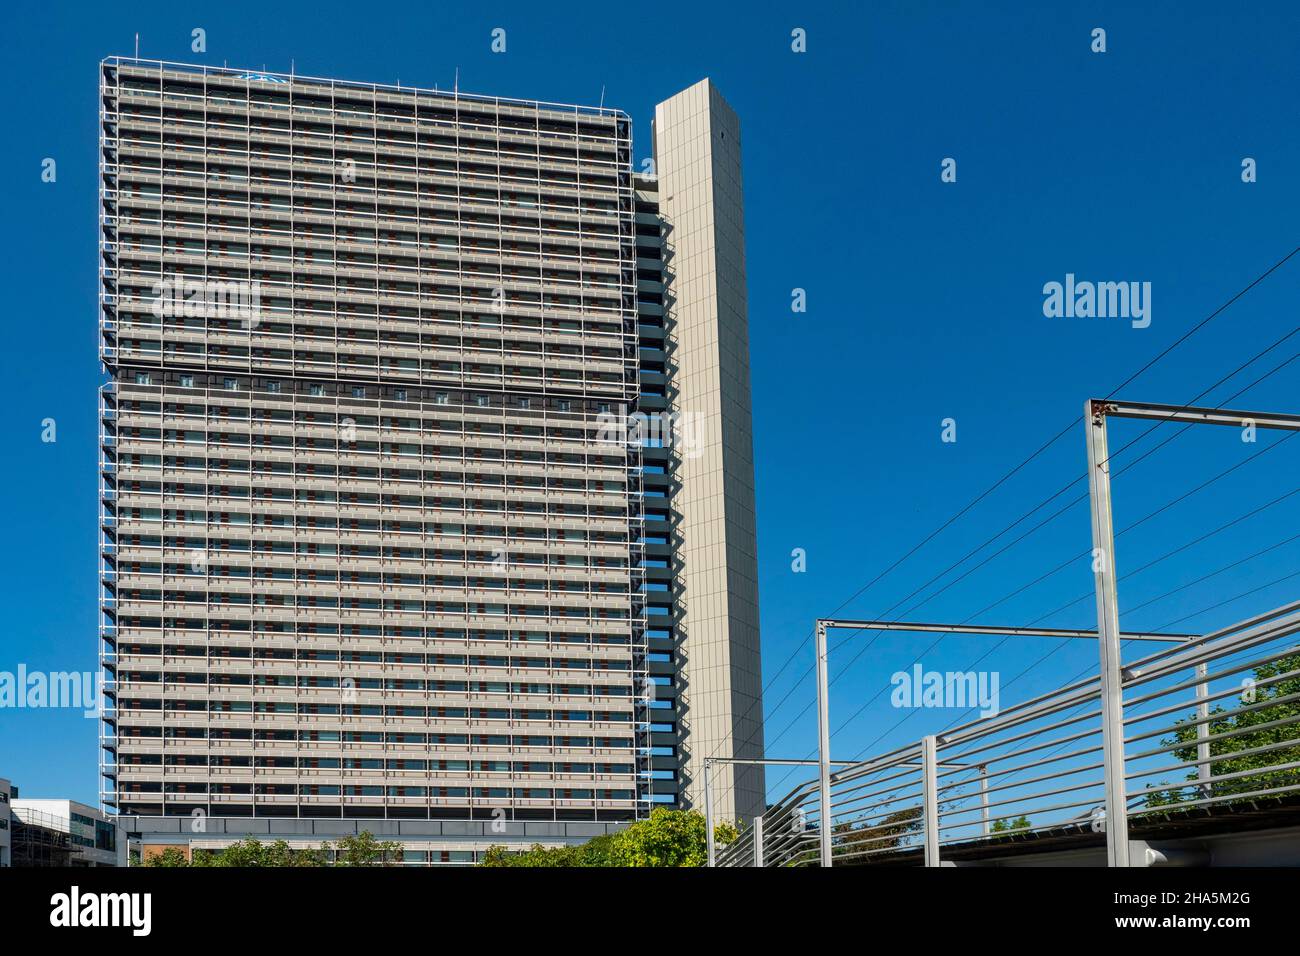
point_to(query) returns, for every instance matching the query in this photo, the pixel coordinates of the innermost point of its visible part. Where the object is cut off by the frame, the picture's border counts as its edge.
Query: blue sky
(924, 297)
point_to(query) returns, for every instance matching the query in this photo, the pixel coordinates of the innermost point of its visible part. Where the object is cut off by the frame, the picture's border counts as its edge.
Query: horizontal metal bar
(1209, 801)
(776, 762)
(1183, 707)
(1195, 415)
(1238, 667)
(1009, 631)
(1291, 720)
(1145, 663)
(1189, 657)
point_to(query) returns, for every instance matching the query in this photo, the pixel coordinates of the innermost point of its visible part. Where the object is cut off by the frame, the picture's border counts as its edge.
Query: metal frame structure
(1095, 413)
(709, 839)
(1054, 739)
(1191, 653)
(823, 695)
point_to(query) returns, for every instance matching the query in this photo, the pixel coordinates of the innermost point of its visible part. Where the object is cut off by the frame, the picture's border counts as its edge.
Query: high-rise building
(378, 543)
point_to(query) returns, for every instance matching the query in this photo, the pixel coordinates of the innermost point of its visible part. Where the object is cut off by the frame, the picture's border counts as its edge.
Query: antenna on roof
(602, 96)
(456, 85)
(137, 45)
(292, 66)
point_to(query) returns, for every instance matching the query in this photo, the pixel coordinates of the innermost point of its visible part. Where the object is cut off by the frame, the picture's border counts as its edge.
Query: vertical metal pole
(930, 787)
(1112, 690)
(984, 798)
(708, 813)
(823, 745)
(1203, 726)
(758, 841)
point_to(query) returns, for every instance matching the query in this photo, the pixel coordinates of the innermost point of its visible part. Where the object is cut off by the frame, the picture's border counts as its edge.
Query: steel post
(930, 787)
(708, 814)
(823, 745)
(1112, 689)
(984, 798)
(1203, 726)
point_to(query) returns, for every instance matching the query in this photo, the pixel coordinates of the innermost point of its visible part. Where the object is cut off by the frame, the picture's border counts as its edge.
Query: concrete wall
(697, 157)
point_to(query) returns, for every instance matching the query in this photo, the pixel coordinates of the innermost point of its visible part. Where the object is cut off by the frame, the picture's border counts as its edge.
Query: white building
(93, 835)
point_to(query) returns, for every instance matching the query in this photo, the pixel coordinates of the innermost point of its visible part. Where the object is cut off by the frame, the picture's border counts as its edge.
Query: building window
(441, 398)
(317, 390)
(399, 394)
(187, 381)
(525, 403)
(142, 378)
(230, 384)
(481, 400)
(358, 391)
(273, 386)
(565, 405)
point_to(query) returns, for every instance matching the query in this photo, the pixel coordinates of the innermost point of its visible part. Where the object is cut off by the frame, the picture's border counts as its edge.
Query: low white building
(93, 835)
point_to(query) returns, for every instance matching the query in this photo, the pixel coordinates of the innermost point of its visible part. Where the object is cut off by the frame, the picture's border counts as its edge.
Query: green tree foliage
(666, 838)
(595, 852)
(360, 850)
(1240, 728)
(364, 850)
(1006, 826)
(854, 839)
(250, 852)
(171, 856)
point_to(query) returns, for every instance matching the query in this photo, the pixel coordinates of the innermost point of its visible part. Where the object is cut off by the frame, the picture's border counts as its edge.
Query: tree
(857, 839)
(364, 850)
(595, 852)
(172, 856)
(245, 853)
(666, 838)
(251, 852)
(1006, 826)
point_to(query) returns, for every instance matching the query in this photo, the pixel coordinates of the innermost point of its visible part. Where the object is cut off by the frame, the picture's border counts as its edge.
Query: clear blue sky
(924, 298)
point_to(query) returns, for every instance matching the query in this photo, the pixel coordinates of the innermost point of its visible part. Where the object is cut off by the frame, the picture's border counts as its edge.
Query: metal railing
(1211, 721)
